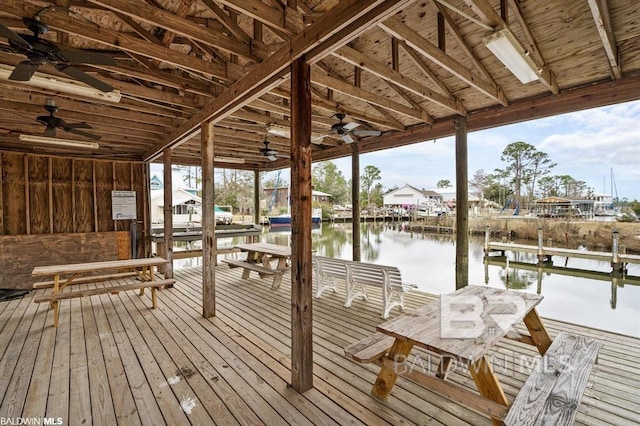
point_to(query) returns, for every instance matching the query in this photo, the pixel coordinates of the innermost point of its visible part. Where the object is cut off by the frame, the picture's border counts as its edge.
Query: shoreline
(594, 235)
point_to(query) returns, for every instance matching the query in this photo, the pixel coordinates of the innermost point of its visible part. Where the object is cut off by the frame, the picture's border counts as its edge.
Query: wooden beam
(361, 60)
(208, 223)
(544, 72)
(184, 27)
(285, 23)
(336, 27)
(373, 98)
(394, 26)
(301, 270)
(229, 24)
(485, 11)
(461, 41)
(600, 11)
(63, 22)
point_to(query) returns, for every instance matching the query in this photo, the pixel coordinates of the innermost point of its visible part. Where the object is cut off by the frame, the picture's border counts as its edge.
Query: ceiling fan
(53, 123)
(271, 154)
(347, 130)
(40, 52)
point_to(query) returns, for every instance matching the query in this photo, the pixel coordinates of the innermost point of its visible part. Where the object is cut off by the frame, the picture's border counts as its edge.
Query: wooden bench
(369, 349)
(261, 270)
(361, 274)
(552, 393)
(357, 276)
(153, 285)
(327, 270)
(88, 279)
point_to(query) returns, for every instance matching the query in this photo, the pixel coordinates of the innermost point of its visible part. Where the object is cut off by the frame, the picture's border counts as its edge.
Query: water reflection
(573, 292)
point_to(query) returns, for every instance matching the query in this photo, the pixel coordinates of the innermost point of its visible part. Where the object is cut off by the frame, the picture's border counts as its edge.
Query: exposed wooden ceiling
(405, 68)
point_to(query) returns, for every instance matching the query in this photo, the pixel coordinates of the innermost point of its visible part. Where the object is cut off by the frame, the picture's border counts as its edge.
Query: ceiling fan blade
(82, 125)
(363, 133)
(83, 133)
(272, 157)
(350, 126)
(50, 132)
(347, 138)
(43, 119)
(86, 57)
(85, 78)
(23, 71)
(8, 33)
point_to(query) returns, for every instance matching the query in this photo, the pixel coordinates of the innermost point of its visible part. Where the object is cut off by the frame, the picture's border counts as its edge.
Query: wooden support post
(615, 258)
(486, 240)
(462, 204)
(301, 271)
(540, 249)
(256, 196)
(355, 201)
(168, 214)
(208, 223)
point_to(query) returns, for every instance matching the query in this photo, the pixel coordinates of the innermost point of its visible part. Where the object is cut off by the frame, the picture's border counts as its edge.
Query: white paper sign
(123, 205)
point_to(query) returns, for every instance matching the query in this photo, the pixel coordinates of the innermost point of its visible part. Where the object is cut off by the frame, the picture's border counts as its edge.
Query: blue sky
(585, 145)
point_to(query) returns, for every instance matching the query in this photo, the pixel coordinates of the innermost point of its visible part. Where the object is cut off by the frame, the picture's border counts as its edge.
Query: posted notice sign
(123, 205)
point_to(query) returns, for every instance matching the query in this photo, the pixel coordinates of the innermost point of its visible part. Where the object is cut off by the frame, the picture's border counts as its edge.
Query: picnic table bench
(259, 258)
(551, 394)
(76, 273)
(357, 276)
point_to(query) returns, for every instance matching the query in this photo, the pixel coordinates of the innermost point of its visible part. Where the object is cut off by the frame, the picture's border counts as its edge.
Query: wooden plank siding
(113, 360)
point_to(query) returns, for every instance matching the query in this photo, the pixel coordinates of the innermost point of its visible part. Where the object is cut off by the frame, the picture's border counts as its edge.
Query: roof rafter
(179, 25)
(600, 11)
(394, 26)
(63, 22)
(361, 60)
(341, 24)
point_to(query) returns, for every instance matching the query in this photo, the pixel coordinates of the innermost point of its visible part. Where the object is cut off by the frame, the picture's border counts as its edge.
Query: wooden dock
(114, 361)
(549, 252)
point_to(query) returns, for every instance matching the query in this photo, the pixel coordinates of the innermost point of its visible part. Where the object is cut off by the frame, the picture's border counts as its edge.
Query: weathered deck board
(114, 360)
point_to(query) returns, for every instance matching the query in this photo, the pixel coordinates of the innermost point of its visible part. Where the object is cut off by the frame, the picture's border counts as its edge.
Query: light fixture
(234, 160)
(278, 130)
(506, 47)
(60, 84)
(60, 142)
(285, 132)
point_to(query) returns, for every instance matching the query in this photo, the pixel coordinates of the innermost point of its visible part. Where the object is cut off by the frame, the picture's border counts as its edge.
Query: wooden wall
(42, 194)
(19, 254)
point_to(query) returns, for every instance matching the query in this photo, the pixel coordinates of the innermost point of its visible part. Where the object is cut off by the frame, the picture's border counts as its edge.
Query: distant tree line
(526, 176)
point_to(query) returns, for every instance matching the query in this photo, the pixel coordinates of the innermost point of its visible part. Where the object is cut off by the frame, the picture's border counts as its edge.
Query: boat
(285, 219)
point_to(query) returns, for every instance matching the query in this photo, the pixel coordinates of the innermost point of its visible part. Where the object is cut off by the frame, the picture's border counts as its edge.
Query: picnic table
(82, 273)
(462, 327)
(259, 258)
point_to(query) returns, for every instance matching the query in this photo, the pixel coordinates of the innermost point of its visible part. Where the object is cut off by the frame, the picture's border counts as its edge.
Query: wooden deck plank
(79, 398)
(99, 391)
(122, 396)
(57, 400)
(197, 367)
(144, 348)
(145, 404)
(190, 388)
(17, 389)
(157, 366)
(36, 400)
(14, 341)
(332, 355)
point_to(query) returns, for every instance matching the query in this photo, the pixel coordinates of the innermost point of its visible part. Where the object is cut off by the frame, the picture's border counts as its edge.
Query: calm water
(429, 261)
